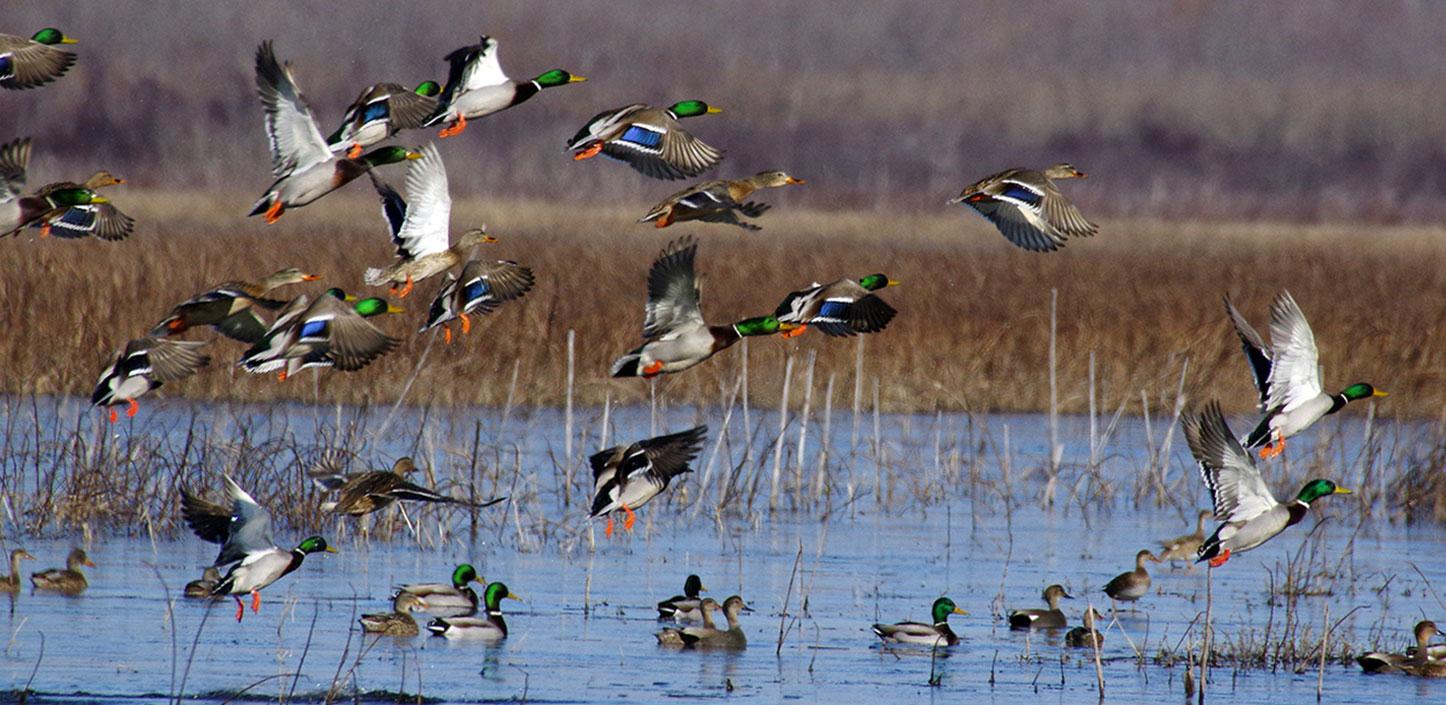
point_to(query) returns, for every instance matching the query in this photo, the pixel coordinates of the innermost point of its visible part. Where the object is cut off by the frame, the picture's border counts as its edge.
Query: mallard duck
(143, 365)
(399, 621)
(1028, 208)
(200, 589)
(366, 492)
(718, 201)
(323, 333)
(27, 63)
(14, 162)
(1184, 548)
(230, 307)
(682, 637)
(936, 634)
(11, 582)
(482, 287)
(684, 607)
(39, 209)
(840, 308)
(102, 220)
(456, 599)
(674, 328)
(303, 164)
(649, 139)
(68, 580)
(1131, 586)
(244, 532)
(1417, 662)
(1087, 636)
(627, 477)
(1287, 375)
(420, 230)
(380, 112)
(1249, 514)
(1051, 618)
(491, 627)
(477, 87)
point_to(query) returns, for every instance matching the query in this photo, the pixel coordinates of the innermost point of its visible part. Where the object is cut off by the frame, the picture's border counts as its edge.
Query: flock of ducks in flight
(333, 330)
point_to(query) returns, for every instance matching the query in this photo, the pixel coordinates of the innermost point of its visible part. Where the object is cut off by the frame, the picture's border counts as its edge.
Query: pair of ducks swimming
(689, 607)
(1424, 660)
(453, 606)
(66, 581)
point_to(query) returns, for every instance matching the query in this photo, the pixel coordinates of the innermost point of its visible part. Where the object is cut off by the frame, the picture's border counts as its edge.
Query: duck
(323, 333)
(1288, 377)
(649, 139)
(28, 63)
(143, 365)
(477, 87)
(936, 634)
(102, 220)
(1051, 618)
(627, 477)
(684, 607)
(840, 308)
(379, 113)
(11, 582)
(455, 599)
(244, 532)
(483, 286)
(491, 627)
(1028, 208)
(733, 637)
(719, 201)
(366, 492)
(230, 307)
(200, 589)
(38, 210)
(1249, 514)
(420, 230)
(68, 580)
(399, 621)
(677, 337)
(1417, 662)
(684, 637)
(1086, 636)
(1184, 548)
(1131, 586)
(304, 166)
(14, 165)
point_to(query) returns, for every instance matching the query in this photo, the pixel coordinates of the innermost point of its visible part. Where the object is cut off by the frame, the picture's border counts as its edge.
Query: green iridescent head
(389, 155)
(943, 607)
(51, 36)
(692, 586)
(762, 325)
(314, 544)
(428, 88)
(76, 197)
(874, 282)
(338, 293)
(1315, 489)
(557, 77)
(1361, 390)
(463, 574)
(692, 108)
(496, 593)
(375, 306)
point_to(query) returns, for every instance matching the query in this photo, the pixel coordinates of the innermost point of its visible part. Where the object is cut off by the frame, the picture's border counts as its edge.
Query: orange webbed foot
(631, 518)
(1272, 449)
(466, 323)
(447, 334)
(132, 408)
(255, 602)
(1219, 560)
(354, 152)
(666, 220)
(45, 230)
(589, 153)
(795, 332)
(281, 376)
(406, 288)
(608, 532)
(653, 369)
(273, 213)
(114, 417)
(240, 608)
(454, 129)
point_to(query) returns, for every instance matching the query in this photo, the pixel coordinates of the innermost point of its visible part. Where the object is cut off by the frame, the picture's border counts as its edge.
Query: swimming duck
(1287, 375)
(420, 229)
(1419, 662)
(27, 63)
(448, 600)
(482, 287)
(68, 580)
(1250, 515)
(841, 308)
(323, 333)
(677, 337)
(201, 588)
(98, 219)
(366, 492)
(627, 477)
(718, 201)
(649, 139)
(936, 634)
(380, 112)
(244, 532)
(1028, 208)
(733, 637)
(1087, 636)
(11, 582)
(1184, 548)
(1131, 586)
(230, 307)
(477, 87)
(143, 365)
(1051, 618)
(399, 621)
(683, 637)
(684, 607)
(303, 164)
(491, 627)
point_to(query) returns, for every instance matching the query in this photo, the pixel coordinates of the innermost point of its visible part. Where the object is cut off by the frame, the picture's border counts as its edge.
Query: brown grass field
(972, 332)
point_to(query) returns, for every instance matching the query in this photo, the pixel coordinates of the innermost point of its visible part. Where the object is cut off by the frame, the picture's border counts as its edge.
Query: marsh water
(912, 507)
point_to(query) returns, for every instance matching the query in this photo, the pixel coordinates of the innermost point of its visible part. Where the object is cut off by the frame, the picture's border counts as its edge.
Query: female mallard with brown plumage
(1184, 548)
(11, 582)
(230, 307)
(1420, 662)
(398, 622)
(1028, 208)
(366, 492)
(1034, 618)
(1087, 636)
(1133, 585)
(68, 580)
(718, 201)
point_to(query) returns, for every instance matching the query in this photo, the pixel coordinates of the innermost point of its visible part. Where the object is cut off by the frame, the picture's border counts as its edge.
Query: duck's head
(943, 607)
(404, 465)
(1361, 390)
(464, 573)
(103, 178)
(496, 593)
(76, 197)
(390, 155)
(708, 604)
(1054, 593)
(338, 293)
(1145, 555)
(775, 179)
(1092, 617)
(734, 604)
(692, 108)
(429, 89)
(290, 275)
(762, 325)
(475, 236)
(1425, 629)
(693, 585)
(78, 558)
(51, 36)
(375, 306)
(314, 544)
(1315, 489)
(1064, 170)
(557, 77)
(874, 282)
(19, 554)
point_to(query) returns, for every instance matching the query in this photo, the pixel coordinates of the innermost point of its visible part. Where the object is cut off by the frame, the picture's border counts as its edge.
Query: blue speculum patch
(642, 136)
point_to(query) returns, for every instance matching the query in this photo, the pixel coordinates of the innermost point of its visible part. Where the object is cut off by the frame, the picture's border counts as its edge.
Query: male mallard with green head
(1028, 208)
(96, 219)
(936, 634)
(454, 599)
(491, 626)
(649, 139)
(840, 308)
(380, 112)
(684, 607)
(323, 333)
(27, 63)
(477, 87)
(718, 201)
